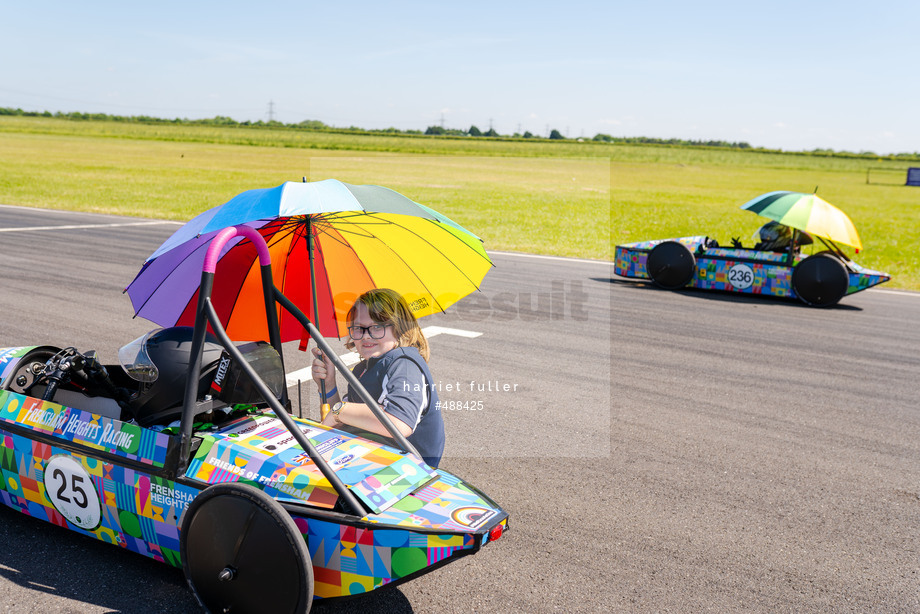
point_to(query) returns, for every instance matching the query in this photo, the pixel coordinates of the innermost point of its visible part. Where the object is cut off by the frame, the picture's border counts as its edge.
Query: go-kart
(820, 279)
(199, 464)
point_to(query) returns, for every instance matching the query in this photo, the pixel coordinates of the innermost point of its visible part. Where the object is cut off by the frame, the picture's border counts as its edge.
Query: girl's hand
(322, 370)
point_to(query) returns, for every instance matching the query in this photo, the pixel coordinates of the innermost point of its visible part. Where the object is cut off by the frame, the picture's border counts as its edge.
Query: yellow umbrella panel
(806, 212)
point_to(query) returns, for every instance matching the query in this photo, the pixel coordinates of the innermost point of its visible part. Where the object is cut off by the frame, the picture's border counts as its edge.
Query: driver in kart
(393, 369)
(776, 237)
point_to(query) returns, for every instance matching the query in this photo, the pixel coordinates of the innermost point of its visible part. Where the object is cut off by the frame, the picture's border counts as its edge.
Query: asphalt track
(657, 451)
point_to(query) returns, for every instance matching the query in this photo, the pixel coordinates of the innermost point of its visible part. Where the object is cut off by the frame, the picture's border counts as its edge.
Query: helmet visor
(136, 361)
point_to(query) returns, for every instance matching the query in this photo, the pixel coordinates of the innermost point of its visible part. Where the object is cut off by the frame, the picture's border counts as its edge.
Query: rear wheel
(820, 280)
(242, 552)
(670, 265)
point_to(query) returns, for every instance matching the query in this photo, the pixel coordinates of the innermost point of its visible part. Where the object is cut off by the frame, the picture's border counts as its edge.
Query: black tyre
(242, 552)
(671, 265)
(820, 280)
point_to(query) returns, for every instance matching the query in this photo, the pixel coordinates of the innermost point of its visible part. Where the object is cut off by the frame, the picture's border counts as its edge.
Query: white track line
(81, 226)
(895, 292)
(559, 258)
(431, 331)
(352, 358)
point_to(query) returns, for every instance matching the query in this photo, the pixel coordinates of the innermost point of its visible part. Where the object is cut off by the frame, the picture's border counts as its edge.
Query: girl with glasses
(394, 355)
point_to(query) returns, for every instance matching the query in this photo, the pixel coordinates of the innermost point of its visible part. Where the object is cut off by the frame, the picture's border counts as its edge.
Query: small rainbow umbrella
(329, 242)
(806, 212)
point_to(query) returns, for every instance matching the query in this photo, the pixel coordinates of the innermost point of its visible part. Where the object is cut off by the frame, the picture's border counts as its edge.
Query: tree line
(472, 132)
(315, 125)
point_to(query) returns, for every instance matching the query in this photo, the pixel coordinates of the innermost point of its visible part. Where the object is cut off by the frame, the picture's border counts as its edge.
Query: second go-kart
(774, 266)
(186, 453)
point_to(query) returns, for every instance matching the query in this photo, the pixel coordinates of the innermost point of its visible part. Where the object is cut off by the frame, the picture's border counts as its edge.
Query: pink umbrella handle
(218, 242)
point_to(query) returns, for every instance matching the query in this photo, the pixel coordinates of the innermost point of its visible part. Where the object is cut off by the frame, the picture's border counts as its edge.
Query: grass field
(565, 198)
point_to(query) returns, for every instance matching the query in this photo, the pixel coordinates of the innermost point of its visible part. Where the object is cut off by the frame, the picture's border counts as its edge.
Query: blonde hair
(386, 306)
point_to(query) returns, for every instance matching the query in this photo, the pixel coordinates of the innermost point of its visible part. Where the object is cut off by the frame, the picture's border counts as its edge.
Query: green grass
(565, 198)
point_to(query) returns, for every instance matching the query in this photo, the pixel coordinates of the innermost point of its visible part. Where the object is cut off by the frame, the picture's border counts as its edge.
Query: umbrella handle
(324, 406)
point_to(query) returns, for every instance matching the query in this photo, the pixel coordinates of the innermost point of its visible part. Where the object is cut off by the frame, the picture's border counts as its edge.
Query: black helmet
(160, 361)
(774, 236)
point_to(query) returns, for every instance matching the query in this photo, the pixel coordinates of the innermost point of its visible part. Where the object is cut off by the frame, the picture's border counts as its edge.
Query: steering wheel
(58, 370)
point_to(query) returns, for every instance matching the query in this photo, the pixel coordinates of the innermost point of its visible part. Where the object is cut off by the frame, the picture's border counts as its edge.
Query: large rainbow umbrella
(329, 242)
(806, 212)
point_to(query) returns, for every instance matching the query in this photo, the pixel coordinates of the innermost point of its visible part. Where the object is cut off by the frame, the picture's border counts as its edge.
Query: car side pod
(236, 543)
(671, 265)
(820, 280)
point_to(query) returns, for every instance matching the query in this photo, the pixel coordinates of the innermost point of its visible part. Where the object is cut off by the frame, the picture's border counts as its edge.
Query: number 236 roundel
(71, 490)
(741, 276)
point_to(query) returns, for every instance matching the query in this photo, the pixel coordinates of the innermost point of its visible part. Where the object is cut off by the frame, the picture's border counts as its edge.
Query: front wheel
(241, 552)
(670, 265)
(820, 280)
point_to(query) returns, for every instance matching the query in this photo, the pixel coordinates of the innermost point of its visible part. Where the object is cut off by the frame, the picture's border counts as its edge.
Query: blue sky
(792, 75)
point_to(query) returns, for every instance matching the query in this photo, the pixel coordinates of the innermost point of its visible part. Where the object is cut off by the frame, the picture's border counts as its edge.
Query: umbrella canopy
(358, 238)
(806, 212)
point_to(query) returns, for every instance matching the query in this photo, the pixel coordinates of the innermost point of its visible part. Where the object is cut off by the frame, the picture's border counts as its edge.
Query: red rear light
(495, 532)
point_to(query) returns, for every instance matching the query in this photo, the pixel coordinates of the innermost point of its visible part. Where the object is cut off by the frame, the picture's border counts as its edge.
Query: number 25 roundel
(71, 491)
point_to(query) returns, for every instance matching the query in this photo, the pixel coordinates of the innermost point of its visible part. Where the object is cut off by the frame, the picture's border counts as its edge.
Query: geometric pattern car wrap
(54, 456)
(82, 427)
(261, 450)
(742, 270)
(136, 510)
(352, 560)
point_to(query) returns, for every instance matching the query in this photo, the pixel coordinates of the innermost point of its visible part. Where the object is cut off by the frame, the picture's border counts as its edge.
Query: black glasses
(376, 331)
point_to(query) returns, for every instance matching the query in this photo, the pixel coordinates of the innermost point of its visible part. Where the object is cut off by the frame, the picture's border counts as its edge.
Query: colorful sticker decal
(432, 507)
(352, 560)
(9, 359)
(766, 278)
(71, 491)
(629, 260)
(473, 517)
(748, 254)
(862, 277)
(84, 428)
(260, 450)
(136, 510)
(741, 276)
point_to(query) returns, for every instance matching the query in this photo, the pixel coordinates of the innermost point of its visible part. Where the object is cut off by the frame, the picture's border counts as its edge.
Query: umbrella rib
(292, 230)
(275, 239)
(287, 230)
(436, 223)
(347, 244)
(424, 285)
(328, 222)
(335, 316)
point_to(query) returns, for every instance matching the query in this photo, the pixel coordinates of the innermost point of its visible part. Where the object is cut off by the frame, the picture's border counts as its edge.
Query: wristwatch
(337, 408)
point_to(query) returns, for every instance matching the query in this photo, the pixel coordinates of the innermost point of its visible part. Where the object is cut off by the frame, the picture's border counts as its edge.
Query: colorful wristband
(331, 393)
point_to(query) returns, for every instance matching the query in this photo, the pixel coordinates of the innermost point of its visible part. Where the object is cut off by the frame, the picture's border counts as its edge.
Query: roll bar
(206, 314)
(834, 248)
